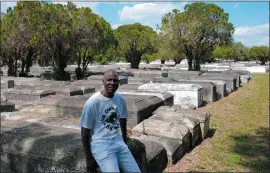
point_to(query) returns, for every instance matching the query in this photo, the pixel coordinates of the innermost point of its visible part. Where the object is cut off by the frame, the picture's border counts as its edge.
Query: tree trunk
(29, 61)
(15, 68)
(10, 67)
(197, 66)
(162, 61)
(134, 61)
(190, 65)
(177, 61)
(22, 69)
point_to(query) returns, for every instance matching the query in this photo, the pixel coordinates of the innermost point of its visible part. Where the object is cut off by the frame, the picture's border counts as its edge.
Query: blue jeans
(113, 154)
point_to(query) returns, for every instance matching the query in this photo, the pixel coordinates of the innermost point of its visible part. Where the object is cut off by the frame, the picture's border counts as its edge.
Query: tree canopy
(259, 53)
(134, 40)
(197, 30)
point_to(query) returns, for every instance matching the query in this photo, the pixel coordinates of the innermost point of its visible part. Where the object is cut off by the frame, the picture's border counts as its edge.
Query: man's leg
(126, 161)
(107, 162)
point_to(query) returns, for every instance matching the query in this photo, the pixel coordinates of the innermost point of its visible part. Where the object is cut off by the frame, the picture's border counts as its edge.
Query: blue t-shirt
(102, 114)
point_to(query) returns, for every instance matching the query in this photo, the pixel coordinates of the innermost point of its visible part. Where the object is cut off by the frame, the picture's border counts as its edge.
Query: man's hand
(91, 165)
(123, 125)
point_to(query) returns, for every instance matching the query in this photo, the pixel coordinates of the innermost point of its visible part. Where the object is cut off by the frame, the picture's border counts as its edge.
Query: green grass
(240, 123)
(243, 143)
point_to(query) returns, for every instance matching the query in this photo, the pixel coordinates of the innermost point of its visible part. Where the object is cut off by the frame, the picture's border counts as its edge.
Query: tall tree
(259, 53)
(197, 30)
(241, 52)
(134, 40)
(166, 50)
(19, 32)
(93, 36)
(57, 37)
(223, 52)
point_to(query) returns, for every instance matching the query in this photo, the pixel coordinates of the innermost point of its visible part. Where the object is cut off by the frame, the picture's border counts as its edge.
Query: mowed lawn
(239, 133)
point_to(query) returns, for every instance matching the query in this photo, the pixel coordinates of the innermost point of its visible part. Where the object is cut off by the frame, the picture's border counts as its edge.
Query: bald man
(104, 113)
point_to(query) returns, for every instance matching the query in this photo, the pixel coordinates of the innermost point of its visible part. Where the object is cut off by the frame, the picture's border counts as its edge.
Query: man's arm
(90, 161)
(123, 125)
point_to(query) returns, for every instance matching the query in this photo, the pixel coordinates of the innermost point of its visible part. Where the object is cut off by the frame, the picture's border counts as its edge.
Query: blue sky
(250, 19)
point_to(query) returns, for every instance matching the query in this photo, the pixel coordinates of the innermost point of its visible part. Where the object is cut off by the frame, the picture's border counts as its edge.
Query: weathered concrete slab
(183, 93)
(165, 96)
(150, 66)
(50, 100)
(98, 85)
(176, 111)
(150, 73)
(70, 106)
(129, 87)
(220, 86)
(34, 147)
(230, 81)
(191, 123)
(153, 100)
(43, 83)
(64, 90)
(156, 156)
(85, 88)
(235, 76)
(20, 80)
(158, 128)
(253, 69)
(138, 110)
(209, 88)
(182, 74)
(122, 79)
(26, 94)
(245, 76)
(7, 106)
(5, 84)
(174, 147)
(138, 80)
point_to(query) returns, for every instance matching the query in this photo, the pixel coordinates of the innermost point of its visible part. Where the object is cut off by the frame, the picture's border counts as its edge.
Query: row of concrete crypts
(40, 117)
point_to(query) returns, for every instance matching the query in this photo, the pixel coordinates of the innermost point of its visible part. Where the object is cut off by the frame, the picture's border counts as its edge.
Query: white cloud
(264, 41)
(115, 26)
(253, 30)
(236, 5)
(147, 13)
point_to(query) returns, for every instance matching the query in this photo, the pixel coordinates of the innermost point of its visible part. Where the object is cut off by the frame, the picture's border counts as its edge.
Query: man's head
(110, 81)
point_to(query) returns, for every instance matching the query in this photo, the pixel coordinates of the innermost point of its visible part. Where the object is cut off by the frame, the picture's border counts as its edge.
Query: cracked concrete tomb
(165, 96)
(183, 93)
(26, 95)
(232, 75)
(176, 111)
(209, 88)
(138, 108)
(6, 106)
(122, 79)
(34, 147)
(175, 137)
(230, 81)
(245, 76)
(182, 74)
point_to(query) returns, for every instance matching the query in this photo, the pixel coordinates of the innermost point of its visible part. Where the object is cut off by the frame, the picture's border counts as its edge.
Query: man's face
(111, 82)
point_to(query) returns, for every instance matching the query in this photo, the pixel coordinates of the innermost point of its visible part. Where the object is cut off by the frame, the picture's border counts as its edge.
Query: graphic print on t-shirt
(110, 118)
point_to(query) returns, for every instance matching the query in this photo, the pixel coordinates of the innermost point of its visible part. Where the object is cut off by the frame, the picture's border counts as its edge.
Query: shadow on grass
(211, 133)
(254, 150)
